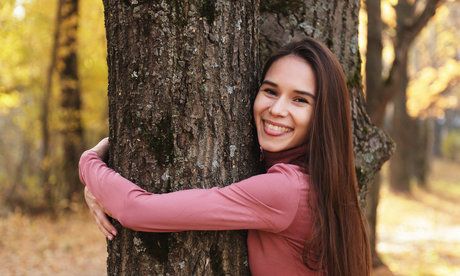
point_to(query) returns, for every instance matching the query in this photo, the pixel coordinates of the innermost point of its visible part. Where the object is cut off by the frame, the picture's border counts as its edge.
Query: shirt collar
(297, 156)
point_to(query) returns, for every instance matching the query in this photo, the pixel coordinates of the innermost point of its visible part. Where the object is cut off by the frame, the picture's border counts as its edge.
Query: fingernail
(110, 237)
(114, 232)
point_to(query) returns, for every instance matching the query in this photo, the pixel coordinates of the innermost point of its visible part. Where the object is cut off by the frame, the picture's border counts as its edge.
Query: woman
(302, 215)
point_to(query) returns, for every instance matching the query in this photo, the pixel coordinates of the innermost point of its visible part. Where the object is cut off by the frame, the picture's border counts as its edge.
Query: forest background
(44, 223)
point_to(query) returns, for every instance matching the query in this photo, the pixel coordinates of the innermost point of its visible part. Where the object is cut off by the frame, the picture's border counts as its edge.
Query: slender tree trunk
(422, 149)
(400, 165)
(409, 24)
(67, 67)
(374, 87)
(47, 185)
(402, 131)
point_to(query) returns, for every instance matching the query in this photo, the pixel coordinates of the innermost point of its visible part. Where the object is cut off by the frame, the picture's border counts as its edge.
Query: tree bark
(67, 68)
(181, 78)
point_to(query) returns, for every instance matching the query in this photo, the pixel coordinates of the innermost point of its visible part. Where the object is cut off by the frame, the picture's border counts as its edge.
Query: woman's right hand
(99, 214)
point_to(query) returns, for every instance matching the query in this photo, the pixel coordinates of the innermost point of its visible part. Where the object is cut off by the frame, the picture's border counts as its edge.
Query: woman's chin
(271, 147)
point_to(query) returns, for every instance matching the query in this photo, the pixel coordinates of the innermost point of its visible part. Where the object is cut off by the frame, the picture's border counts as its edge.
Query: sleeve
(266, 202)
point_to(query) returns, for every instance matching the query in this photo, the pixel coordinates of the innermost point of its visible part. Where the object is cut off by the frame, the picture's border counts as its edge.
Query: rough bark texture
(67, 68)
(336, 24)
(181, 78)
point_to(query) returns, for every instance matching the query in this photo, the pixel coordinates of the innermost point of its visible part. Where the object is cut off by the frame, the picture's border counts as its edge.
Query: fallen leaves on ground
(419, 234)
(68, 245)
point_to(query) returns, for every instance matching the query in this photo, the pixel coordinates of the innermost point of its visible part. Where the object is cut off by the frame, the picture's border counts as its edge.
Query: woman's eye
(301, 100)
(270, 92)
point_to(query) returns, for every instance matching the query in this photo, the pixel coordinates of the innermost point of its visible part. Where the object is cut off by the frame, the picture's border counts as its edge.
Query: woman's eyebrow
(305, 93)
(269, 83)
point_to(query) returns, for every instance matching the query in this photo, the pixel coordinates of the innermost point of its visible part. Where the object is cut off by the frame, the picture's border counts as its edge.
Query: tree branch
(402, 47)
(418, 23)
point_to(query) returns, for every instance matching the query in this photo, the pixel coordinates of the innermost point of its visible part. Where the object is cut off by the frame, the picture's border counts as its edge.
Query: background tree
(69, 84)
(46, 164)
(20, 94)
(27, 88)
(381, 89)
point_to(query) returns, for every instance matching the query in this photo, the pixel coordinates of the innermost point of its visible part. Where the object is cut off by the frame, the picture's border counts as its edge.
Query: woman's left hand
(102, 148)
(99, 214)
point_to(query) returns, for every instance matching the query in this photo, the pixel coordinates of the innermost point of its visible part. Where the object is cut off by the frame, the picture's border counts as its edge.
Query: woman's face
(284, 104)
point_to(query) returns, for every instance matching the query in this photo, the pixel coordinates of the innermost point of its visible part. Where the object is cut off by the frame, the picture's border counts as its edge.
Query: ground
(418, 235)
(69, 245)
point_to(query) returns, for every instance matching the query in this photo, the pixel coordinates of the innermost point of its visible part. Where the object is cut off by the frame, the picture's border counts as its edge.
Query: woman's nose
(279, 108)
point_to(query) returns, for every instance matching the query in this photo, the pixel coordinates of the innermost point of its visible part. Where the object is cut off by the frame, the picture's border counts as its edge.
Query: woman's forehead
(291, 72)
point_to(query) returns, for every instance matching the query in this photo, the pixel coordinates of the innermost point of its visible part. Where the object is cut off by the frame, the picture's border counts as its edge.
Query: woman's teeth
(277, 128)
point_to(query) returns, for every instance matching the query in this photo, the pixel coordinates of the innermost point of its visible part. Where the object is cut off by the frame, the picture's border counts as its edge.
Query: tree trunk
(422, 149)
(71, 126)
(437, 138)
(402, 125)
(48, 189)
(374, 86)
(402, 133)
(409, 24)
(181, 78)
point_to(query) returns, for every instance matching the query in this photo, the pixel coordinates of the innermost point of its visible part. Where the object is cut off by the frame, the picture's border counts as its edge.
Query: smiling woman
(302, 215)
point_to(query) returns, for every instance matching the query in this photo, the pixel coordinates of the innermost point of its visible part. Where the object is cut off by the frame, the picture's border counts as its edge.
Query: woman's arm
(267, 202)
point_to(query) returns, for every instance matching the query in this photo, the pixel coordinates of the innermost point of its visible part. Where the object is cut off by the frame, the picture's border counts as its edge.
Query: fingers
(104, 225)
(103, 230)
(102, 148)
(97, 211)
(105, 222)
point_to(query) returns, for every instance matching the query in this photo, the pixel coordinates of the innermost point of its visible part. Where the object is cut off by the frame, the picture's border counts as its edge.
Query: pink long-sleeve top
(275, 207)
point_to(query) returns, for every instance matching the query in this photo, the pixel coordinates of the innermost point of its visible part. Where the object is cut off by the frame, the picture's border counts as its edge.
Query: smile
(275, 130)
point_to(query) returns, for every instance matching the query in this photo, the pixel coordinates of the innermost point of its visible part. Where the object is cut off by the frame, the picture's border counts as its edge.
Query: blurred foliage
(435, 65)
(435, 58)
(26, 38)
(451, 146)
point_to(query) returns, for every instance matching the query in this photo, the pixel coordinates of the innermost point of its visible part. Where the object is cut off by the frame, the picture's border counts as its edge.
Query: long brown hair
(339, 244)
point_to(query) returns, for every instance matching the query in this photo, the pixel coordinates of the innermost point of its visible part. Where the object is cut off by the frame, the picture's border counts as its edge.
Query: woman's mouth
(273, 129)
